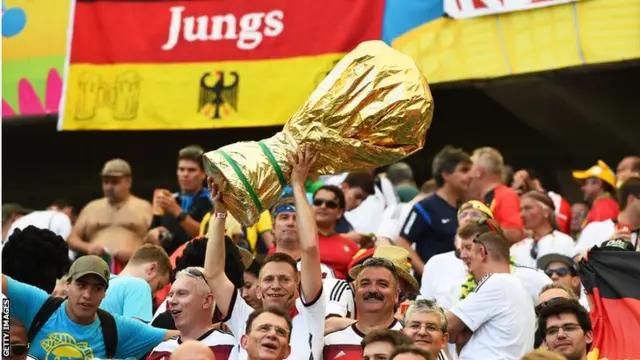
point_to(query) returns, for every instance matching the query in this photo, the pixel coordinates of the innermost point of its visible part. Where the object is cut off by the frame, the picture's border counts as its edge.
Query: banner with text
(465, 9)
(197, 64)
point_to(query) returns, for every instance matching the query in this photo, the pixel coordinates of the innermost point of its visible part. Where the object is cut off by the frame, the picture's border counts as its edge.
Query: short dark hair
(362, 180)
(270, 310)
(560, 306)
(282, 258)
(410, 349)
(631, 187)
(60, 203)
(392, 337)
(399, 172)
(379, 262)
(336, 191)
(152, 253)
(446, 161)
(194, 254)
(496, 244)
(193, 153)
(36, 257)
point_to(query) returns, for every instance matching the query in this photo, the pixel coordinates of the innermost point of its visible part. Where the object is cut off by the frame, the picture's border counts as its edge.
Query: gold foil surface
(373, 109)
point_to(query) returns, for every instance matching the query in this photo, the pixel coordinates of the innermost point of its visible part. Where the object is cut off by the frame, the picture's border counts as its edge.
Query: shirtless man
(115, 224)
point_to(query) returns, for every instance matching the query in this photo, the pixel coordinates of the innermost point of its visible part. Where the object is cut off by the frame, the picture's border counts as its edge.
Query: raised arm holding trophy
(373, 109)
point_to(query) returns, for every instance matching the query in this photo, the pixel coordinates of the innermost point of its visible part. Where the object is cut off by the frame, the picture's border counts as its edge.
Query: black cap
(544, 261)
(617, 245)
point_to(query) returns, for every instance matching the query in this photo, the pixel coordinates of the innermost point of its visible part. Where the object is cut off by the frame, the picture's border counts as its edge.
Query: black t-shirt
(343, 226)
(431, 225)
(197, 207)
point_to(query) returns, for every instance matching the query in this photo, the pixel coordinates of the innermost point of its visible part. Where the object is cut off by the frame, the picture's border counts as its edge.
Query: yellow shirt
(252, 234)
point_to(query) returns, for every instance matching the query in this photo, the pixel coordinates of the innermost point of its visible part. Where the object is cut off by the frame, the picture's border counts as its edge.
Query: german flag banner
(198, 64)
(612, 280)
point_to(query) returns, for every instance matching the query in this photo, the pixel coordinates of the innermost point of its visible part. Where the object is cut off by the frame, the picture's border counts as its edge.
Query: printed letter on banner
(202, 64)
(465, 9)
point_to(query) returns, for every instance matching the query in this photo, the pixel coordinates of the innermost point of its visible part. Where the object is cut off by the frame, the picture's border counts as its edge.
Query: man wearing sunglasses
(567, 328)
(281, 285)
(563, 271)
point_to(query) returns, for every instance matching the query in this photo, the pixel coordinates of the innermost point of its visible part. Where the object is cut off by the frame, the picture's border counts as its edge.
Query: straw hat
(401, 261)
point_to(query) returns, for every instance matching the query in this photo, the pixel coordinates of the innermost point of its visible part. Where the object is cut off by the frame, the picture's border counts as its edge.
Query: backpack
(107, 323)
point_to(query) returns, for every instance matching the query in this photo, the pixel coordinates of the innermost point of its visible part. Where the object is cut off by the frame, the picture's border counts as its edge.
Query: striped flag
(197, 64)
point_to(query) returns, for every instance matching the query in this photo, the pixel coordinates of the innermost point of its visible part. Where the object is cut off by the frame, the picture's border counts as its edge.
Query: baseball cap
(476, 205)
(600, 171)
(617, 245)
(116, 168)
(10, 209)
(544, 261)
(89, 265)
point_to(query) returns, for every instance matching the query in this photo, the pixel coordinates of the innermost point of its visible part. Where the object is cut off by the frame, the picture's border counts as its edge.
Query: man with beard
(426, 324)
(116, 224)
(279, 276)
(377, 292)
(567, 328)
(432, 223)
(497, 317)
(268, 334)
(192, 306)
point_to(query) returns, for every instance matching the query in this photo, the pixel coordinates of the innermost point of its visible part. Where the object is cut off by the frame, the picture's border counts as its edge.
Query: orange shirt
(505, 204)
(603, 208)
(336, 251)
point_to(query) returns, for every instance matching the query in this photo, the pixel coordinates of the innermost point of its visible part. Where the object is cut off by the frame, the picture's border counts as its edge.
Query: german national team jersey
(220, 343)
(308, 325)
(345, 344)
(340, 298)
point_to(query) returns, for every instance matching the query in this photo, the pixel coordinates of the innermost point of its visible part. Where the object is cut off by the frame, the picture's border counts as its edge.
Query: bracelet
(220, 215)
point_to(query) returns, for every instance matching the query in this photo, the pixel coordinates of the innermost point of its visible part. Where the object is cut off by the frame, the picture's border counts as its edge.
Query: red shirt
(336, 251)
(505, 205)
(563, 211)
(604, 208)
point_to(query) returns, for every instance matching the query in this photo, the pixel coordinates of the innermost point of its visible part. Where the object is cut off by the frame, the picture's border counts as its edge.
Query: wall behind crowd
(40, 164)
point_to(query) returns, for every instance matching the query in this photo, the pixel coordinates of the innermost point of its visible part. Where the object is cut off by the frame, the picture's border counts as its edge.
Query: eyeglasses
(555, 330)
(265, 328)
(428, 327)
(562, 272)
(19, 349)
(197, 273)
(330, 204)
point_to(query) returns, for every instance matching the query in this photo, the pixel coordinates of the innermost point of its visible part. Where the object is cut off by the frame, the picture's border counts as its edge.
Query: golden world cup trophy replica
(373, 109)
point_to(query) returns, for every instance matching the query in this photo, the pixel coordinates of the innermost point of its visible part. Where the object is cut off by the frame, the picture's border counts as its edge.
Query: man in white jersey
(192, 306)
(498, 315)
(279, 276)
(377, 291)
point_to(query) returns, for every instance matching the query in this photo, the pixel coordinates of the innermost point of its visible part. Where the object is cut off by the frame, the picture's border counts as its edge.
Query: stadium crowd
(479, 262)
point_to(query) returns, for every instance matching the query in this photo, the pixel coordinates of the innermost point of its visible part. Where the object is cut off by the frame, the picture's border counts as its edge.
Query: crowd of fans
(478, 263)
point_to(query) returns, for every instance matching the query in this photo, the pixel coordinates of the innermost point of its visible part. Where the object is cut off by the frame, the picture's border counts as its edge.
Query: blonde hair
(202, 287)
(489, 159)
(542, 355)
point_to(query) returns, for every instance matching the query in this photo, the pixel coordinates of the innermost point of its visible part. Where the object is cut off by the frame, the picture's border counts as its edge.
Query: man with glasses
(563, 271)
(336, 251)
(377, 291)
(426, 324)
(567, 328)
(267, 335)
(497, 319)
(192, 306)
(281, 285)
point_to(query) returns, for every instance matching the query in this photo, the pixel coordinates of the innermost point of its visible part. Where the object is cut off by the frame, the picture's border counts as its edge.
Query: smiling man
(192, 306)
(567, 328)
(267, 336)
(426, 324)
(377, 290)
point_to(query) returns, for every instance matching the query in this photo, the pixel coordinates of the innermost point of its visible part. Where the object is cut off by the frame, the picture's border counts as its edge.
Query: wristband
(220, 215)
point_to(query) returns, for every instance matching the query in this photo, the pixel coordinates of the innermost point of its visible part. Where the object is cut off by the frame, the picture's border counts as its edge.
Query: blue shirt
(130, 297)
(61, 338)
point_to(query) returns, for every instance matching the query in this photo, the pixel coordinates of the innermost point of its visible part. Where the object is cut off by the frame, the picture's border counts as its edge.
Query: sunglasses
(197, 273)
(19, 349)
(330, 204)
(562, 272)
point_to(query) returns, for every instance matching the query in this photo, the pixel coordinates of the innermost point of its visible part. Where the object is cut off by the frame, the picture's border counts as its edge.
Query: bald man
(192, 350)
(628, 167)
